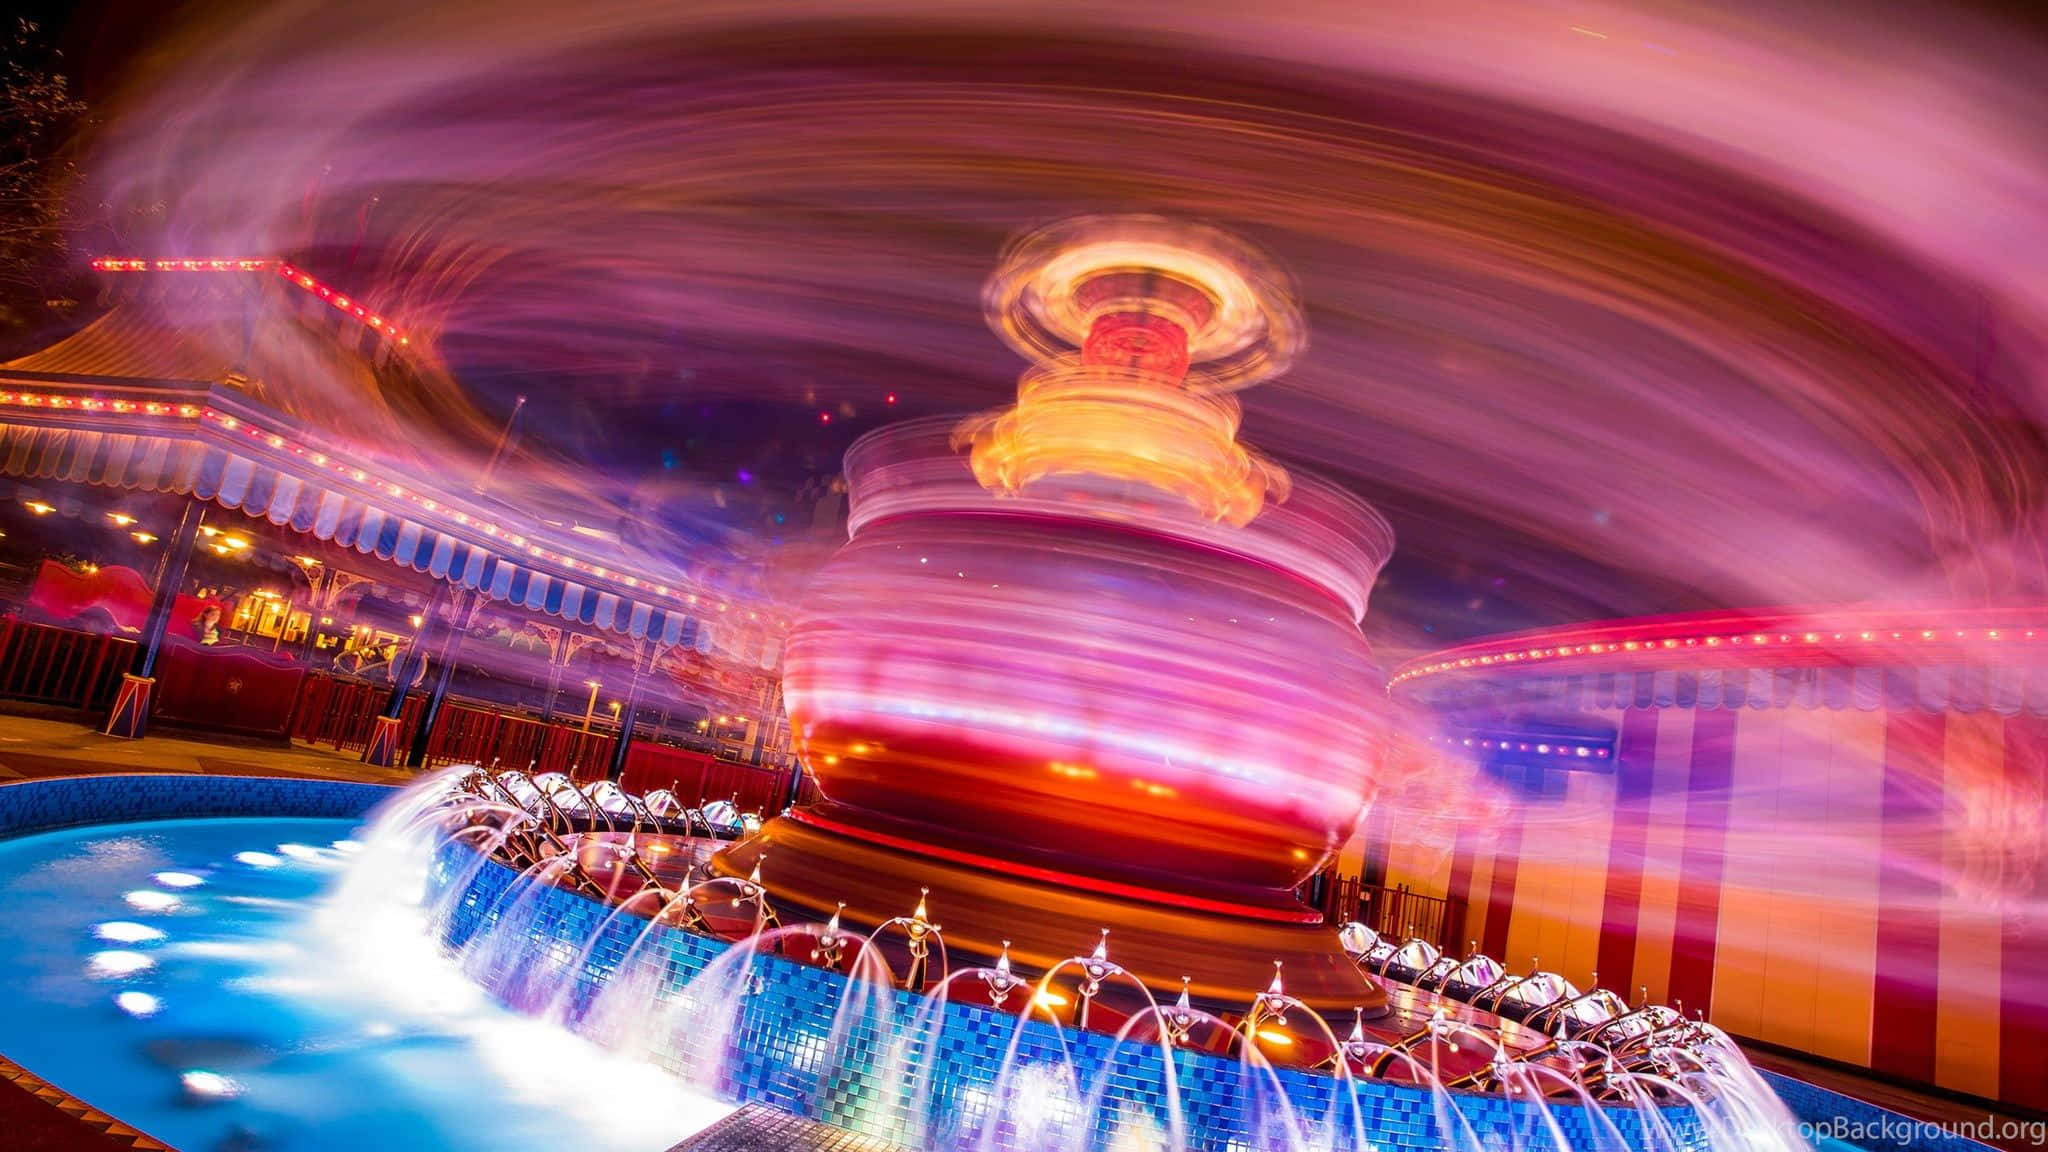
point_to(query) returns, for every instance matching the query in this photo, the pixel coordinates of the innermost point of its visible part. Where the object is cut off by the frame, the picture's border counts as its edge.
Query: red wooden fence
(341, 712)
(696, 777)
(83, 670)
(469, 734)
(60, 665)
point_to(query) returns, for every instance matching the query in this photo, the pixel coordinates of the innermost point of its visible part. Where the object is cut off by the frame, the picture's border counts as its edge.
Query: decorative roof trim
(1847, 638)
(285, 268)
(205, 451)
(2004, 690)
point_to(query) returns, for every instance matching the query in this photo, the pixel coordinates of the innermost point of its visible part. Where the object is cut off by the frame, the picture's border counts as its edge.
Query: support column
(451, 647)
(382, 750)
(617, 771)
(796, 783)
(547, 708)
(130, 716)
(764, 702)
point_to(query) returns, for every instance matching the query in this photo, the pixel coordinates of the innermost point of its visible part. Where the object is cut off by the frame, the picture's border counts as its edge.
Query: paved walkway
(33, 746)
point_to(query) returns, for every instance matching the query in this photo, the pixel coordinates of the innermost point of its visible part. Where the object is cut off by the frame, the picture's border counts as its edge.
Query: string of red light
(285, 269)
(294, 275)
(1653, 641)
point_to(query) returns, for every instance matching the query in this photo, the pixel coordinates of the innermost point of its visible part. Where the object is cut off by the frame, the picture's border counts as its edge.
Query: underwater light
(127, 932)
(117, 963)
(138, 1004)
(177, 880)
(210, 1085)
(149, 900)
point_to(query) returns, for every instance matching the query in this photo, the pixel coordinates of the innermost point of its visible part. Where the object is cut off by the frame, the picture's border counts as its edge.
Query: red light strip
(108, 265)
(288, 271)
(321, 460)
(94, 404)
(342, 302)
(1655, 642)
(341, 468)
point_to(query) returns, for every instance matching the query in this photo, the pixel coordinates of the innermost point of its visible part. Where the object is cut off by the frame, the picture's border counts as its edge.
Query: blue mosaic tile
(31, 806)
(792, 1048)
(1861, 1123)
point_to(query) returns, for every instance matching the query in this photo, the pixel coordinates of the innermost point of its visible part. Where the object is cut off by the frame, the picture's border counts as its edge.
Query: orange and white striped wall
(1866, 885)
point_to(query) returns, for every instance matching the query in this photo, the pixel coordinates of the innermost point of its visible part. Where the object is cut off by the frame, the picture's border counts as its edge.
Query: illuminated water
(187, 978)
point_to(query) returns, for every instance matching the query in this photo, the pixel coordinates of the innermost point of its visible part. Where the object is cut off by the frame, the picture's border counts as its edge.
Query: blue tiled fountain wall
(785, 1025)
(779, 1040)
(32, 806)
(1825, 1112)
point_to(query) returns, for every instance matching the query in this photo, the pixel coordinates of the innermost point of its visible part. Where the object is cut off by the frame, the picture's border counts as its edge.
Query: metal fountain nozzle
(1179, 1019)
(1097, 968)
(1000, 982)
(832, 941)
(1274, 1000)
(1442, 1028)
(1355, 1044)
(1097, 965)
(920, 920)
(1272, 1003)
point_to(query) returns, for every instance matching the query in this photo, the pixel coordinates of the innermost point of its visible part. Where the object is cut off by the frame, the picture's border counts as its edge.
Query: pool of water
(201, 981)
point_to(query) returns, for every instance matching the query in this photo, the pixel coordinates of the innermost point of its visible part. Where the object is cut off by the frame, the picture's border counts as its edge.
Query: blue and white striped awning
(212, 472)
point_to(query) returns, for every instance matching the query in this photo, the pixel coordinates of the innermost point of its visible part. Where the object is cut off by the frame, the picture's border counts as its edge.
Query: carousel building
(251, 408)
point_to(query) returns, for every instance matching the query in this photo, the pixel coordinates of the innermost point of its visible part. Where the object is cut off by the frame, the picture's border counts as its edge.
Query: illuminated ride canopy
(1087, 662)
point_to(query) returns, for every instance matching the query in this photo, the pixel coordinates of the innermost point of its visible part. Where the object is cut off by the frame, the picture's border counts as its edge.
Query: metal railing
(342, 712)
(696, 777)
(1397, 912)
(466, 733)
(48, 665)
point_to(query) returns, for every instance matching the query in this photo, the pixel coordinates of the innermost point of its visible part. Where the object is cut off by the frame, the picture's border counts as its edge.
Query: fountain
(882, 1033)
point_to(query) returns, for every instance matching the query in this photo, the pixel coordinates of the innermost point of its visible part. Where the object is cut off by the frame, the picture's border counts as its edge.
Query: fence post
(451, 647)
(129, 718)
(381, 749)
(617, 771)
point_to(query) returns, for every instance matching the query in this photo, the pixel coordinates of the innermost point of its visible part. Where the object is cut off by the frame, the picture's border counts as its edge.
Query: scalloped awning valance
(210, 472)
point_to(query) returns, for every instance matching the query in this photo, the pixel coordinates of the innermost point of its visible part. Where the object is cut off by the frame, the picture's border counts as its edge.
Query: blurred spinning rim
(1093, 697)
(1237, 311)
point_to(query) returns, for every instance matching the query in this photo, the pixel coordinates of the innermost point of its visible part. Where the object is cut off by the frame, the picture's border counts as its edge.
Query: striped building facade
(1844, 858)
